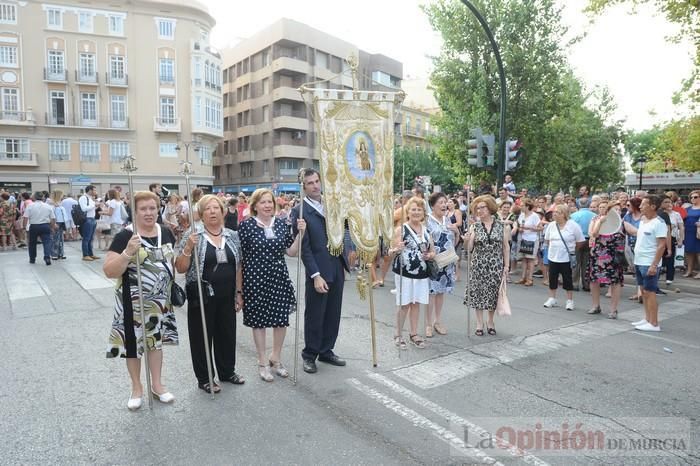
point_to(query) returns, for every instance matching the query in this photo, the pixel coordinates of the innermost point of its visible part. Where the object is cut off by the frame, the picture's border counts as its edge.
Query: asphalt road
(63, 402)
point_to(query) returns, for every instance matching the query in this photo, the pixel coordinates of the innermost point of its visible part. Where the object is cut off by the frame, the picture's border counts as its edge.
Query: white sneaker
(569, 304)
(669, 282)
(648, 328)
(640, 322)
(551, 302)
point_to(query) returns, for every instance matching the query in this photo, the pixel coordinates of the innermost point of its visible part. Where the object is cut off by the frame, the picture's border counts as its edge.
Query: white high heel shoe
(134, 403)
(166, 397)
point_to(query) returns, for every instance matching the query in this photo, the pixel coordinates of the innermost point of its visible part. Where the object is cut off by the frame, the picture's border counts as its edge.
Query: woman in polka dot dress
(268, 294)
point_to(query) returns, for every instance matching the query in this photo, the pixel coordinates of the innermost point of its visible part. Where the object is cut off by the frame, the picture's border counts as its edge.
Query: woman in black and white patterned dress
(268, 294)
(488, 241)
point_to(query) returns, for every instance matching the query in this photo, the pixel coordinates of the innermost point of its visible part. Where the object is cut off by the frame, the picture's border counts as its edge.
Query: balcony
(291, 119)
(166, 125)
(19, 159)
(17, 118)
(292, 151)
(287, 93)
(117, 81)
(168, 80)
(212, 86)
(289, 172)
(56, 75)
(202, 129)
(292, 64)
(74, 121)
(86, 78)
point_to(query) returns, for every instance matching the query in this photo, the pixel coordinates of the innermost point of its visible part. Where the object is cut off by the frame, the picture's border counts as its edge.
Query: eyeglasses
(482, 207)
(694, 197)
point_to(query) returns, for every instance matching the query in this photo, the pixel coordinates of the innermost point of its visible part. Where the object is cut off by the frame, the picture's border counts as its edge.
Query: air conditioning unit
(196, 45)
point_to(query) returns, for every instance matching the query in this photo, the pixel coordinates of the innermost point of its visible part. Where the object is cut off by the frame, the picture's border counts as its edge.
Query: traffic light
(475, 152)
(489, 149)
(513, 151)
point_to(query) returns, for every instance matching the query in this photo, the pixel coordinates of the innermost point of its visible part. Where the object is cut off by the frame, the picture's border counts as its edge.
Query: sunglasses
(694, 197)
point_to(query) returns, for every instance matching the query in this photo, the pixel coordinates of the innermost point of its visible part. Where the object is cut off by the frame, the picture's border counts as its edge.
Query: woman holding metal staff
(487, 241)
(219, 253)
(268, 294)
(154, 245)
(411, 248)
(443, 232)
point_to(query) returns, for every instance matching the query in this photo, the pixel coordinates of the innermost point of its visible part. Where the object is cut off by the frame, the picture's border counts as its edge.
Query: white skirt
(413, 290)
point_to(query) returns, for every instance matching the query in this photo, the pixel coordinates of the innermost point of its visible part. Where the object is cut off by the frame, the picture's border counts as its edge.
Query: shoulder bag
(178, 297)
(503, 304)
(572, 257)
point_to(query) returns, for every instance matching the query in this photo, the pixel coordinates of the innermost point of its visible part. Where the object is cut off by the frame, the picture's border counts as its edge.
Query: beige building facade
(83, 84)
(412, 128)
(268, 130)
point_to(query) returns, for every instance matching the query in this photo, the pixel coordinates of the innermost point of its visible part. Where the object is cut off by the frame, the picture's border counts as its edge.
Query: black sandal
(236, 379)
(491, 331)
(207, 388)
(479, 332)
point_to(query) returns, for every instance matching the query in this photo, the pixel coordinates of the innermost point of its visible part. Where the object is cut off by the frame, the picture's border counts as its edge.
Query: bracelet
(185, 254)
(124, 254)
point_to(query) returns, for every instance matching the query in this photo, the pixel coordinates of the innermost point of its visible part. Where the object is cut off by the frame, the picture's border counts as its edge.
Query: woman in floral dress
(605, 263)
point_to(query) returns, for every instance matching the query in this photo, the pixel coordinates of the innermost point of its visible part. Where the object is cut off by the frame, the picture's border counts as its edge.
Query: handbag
(679, 260)
(446, 257)
(527, 247)
(503, 304)
(433, 269)
(178, 297)
(572, 257)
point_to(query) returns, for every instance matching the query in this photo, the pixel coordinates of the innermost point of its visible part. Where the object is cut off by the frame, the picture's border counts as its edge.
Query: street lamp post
(640, 162)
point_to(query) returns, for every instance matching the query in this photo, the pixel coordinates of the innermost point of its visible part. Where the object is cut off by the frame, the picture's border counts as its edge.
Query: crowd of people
(241, 243)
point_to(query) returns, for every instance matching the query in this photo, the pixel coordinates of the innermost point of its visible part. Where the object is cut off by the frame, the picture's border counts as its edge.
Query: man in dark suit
(325, 278)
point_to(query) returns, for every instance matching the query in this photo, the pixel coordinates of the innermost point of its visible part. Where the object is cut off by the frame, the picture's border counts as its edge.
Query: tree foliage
(685, 14)
(562, 127)
(673, 147)
(410, 163)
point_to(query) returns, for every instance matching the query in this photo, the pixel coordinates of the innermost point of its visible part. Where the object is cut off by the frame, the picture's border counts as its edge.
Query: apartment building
(268, 130)
(412, 128)
(84, 83)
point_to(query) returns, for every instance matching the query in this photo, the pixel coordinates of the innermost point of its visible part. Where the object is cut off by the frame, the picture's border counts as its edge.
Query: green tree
(410, 163)
(562, 128)
(667, 148)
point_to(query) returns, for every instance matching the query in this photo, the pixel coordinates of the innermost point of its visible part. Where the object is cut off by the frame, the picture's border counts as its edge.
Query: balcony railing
(113, 80)
(86, 78)
(7, 116)
(57, 75)
(211, 85)
(101, 122)
(25, 159)
(164, 79)
(288, 171)
(166, 124)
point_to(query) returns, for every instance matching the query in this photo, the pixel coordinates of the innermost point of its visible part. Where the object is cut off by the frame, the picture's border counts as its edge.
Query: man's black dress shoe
(332, 359)
(47, 261)
(310, 366)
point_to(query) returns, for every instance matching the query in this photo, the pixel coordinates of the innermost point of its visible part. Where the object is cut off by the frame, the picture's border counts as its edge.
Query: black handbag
(433, 269)
(527, 247)
(178, 297)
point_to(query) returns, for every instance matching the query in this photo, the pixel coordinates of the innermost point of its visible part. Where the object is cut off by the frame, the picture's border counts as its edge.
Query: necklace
(212, 234)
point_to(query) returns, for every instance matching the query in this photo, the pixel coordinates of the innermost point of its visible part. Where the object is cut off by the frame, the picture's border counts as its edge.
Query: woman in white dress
(411, 247)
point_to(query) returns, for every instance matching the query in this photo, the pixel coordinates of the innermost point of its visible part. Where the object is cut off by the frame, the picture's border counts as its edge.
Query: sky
(627, 53)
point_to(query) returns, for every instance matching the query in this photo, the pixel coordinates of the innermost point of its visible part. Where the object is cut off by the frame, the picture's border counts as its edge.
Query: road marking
(459, 364)
(86, 277)
(19, 286)
(424, 423)
(450, 416)
(688, 345)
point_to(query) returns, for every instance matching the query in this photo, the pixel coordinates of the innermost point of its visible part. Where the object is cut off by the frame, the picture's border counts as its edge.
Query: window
(8, 13)
(266, 167)
(212, 114)
(118, 109)
(265, 58)
(87, 67)
(116, 25)
(246, 169)
(197, 71)
(117, 69)
(167, 110)
(12, 148)
(59, 149)
(205, 155)
(90, 151)
(88, 108)
(10, 103)
(118, 150)
(8, 55)
(197, 111)
(321, 59)
(85, 21)
(54, 18)
(167, 70)
(168, 149)
(56, 65)
(166, 28)
(266, 86)
(57, 104)
(266, 113)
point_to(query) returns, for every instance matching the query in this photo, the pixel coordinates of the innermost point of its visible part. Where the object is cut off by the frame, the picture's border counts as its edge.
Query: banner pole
(298, 297)
(372, 316)
(469, 269)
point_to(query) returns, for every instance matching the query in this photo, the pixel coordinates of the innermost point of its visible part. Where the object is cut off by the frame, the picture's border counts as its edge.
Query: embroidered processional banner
(356, 140)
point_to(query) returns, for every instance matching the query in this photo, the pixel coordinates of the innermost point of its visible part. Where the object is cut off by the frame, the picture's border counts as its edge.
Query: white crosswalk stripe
(20, 286)
(86, 277)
